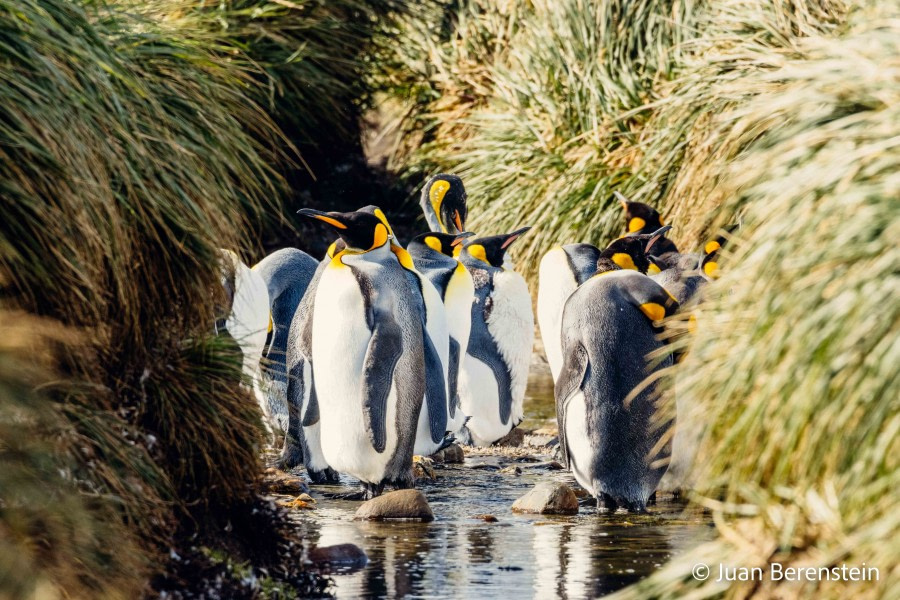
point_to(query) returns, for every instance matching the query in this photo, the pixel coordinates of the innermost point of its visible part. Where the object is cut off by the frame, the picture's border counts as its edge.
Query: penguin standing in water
(249, 319)
(495, 367)
(609, 427)
(371, 358)
(432, 254)
(287, 273)
(643, 219)
(443, 201)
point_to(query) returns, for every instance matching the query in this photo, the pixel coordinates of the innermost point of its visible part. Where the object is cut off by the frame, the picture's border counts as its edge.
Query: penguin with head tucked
(443, 201)
(432, 253)
(563, 269)
(495, 367)
(643, 219)
(610, 427)
(370, 357)
(287, 273)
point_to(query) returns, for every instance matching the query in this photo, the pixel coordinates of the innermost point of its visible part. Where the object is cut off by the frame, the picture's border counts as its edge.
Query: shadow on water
(519, 556)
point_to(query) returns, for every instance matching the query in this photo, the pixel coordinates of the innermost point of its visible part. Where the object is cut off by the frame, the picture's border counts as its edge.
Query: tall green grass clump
(537, 106)
(130, 152)
(792, 371)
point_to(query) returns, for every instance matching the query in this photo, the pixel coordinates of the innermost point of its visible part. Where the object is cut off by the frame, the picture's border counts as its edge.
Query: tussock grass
(792, 367)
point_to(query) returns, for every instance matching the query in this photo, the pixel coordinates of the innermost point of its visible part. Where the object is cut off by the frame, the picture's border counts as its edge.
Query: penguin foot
(324, 477)
(291, 456)
(651, 501)
(371, 490)
(607, 502)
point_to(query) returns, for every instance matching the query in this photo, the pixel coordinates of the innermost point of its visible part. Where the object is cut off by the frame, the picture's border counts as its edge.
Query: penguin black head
(639, 217)
(492, 249)
(445, 243)
(630, 252)
(446, 196)
(359, 230)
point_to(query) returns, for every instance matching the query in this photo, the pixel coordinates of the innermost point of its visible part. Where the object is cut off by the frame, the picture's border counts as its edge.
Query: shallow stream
(519, 556)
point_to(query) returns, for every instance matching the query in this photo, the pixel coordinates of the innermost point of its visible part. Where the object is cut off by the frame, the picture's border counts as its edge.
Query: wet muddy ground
(460, 555)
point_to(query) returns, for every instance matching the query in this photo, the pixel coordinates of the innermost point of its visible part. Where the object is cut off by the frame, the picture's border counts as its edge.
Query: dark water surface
(520, 556)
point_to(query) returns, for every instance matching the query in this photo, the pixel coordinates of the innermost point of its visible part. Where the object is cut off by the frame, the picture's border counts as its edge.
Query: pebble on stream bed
(399, 504)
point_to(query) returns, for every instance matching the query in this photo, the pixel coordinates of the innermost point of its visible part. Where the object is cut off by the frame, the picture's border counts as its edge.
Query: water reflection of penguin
(287, 273)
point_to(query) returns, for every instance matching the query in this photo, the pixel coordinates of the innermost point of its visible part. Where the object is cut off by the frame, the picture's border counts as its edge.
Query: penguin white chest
(556, 284)
(341, 337)
(511, 323)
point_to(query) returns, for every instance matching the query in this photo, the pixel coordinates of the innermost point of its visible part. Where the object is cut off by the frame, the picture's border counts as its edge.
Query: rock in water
(401, 504)
(341, 555)
(548, 498)
(513, 439)
(279, 482)
(452, 454)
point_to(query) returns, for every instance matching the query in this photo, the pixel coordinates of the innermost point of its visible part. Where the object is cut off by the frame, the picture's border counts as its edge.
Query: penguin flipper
(452, 377)
(311, 416)
(485, 349)
(435, 390)
(571, 379)
(385, 348)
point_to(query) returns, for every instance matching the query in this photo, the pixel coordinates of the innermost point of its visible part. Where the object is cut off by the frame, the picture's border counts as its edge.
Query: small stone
(548, 498)
(303, 502)
(400, 504)
(452, 454)
(341, 555)
(512, 470)
(554, 465)
(279, 482)
(486, 518)
(536, 440)
(491, 463)
(513, 439)
(423, 467)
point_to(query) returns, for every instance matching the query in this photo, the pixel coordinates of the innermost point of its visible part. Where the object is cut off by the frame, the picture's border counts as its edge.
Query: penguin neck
(605, 265)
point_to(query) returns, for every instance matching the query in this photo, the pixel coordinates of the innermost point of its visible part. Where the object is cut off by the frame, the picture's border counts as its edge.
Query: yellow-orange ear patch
(433, 243)
(436, 195)
(654, 311)
(624, 260)
(477, 250)
(381, 236)
(636, 224)
(711, 269)
(403, 256)
(653, 269)
(711, 246)
(271, 323)
(331, 249)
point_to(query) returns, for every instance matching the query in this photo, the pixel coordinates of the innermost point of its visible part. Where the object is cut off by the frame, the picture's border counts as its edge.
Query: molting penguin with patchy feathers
(370, 357)
(611, 429)
(287, 273)
(495, 367)
(432, 254)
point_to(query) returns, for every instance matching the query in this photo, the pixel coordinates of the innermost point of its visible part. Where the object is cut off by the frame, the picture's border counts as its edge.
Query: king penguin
(495, 367)
(249, 319)
(432, 254)
(443, 201)
(561, 271)
(302, 441)
(371, 357)
(287, 273)
(609, 427)
(643, 219)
